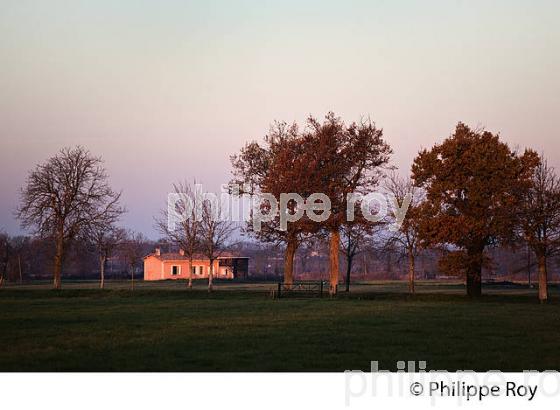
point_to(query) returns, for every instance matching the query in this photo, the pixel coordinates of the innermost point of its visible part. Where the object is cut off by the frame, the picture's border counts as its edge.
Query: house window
(175, 270)
(194, 270)
(201, 270)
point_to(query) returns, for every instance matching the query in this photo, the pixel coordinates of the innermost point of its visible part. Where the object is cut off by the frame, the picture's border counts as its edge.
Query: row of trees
(481, 193)
(330, 158)
(470, 192)
(208, 232)
(25, 258)
(68, 199)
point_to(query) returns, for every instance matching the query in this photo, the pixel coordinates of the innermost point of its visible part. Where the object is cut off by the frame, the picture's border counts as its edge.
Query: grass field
(164, 327)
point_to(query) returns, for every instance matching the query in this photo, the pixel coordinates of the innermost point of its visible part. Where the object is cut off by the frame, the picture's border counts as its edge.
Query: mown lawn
(243, 330)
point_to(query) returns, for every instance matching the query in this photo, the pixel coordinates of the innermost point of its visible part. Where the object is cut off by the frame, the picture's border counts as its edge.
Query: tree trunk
(190, 273)
(543, 280)
(132, 277)
(19, 269)
(3, 273)
(211, 276)
(529, 265)
(474, 272)
(289, 263)
(333, 259)
(410, 271)
(102, 263)
(348, 271)
(59, 255)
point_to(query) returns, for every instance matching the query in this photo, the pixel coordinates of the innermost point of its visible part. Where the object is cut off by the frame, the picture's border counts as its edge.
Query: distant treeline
(25, 259)
(469, 207)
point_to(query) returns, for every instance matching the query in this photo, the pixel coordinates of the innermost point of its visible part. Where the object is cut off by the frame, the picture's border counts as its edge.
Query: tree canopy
(474, 185)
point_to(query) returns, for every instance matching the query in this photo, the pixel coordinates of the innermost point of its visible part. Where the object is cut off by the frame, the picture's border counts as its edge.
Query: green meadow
(239, 327)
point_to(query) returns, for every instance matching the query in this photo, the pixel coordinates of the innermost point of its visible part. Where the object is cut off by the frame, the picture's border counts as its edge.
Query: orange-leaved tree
(275, 167)
(474, 185)
(341, 160)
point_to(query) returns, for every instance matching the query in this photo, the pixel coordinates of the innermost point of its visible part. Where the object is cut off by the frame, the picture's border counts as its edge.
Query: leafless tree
(186, 232)
(407, 236)
(5, 252)
(18, 247)
(540, 218)
(133, 252)
(106, 238)
(216, 231)
(354, 237)
(65, 195)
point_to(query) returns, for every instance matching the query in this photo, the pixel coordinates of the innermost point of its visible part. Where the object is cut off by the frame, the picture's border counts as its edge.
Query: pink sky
(169, 90)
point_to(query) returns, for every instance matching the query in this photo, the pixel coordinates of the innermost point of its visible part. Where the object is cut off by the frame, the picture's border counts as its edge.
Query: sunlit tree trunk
(289, 263)
(333, 259)
(211, 276)
(59, 255)
(543, 280)
(190, 272)
(411, 271)
(102, 264)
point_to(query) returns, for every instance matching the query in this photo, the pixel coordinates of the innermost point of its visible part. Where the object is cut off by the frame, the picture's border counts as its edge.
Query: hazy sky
(168, 90)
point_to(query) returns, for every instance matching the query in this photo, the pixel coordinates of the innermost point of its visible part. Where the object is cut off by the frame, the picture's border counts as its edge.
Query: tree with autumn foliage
(339, 160)
(275, 167)
(540, 219)
(474, 185)
(329, 157)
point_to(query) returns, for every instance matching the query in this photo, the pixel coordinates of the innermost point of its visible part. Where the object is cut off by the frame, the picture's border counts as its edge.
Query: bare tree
(216, 231)
(64, 196)
(106, 238)
(5, 252)
(540, 218)
(407, 235)
(18, 246)
(354, 238)
(133, 252)
(186, 232)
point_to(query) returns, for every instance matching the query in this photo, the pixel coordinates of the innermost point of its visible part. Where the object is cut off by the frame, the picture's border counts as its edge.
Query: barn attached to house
(161, 266)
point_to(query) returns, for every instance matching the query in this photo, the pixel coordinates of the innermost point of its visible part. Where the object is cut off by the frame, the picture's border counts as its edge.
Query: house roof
(176, 256)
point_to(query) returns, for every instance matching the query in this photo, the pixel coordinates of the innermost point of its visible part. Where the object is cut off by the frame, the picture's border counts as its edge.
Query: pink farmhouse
(161, 266)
